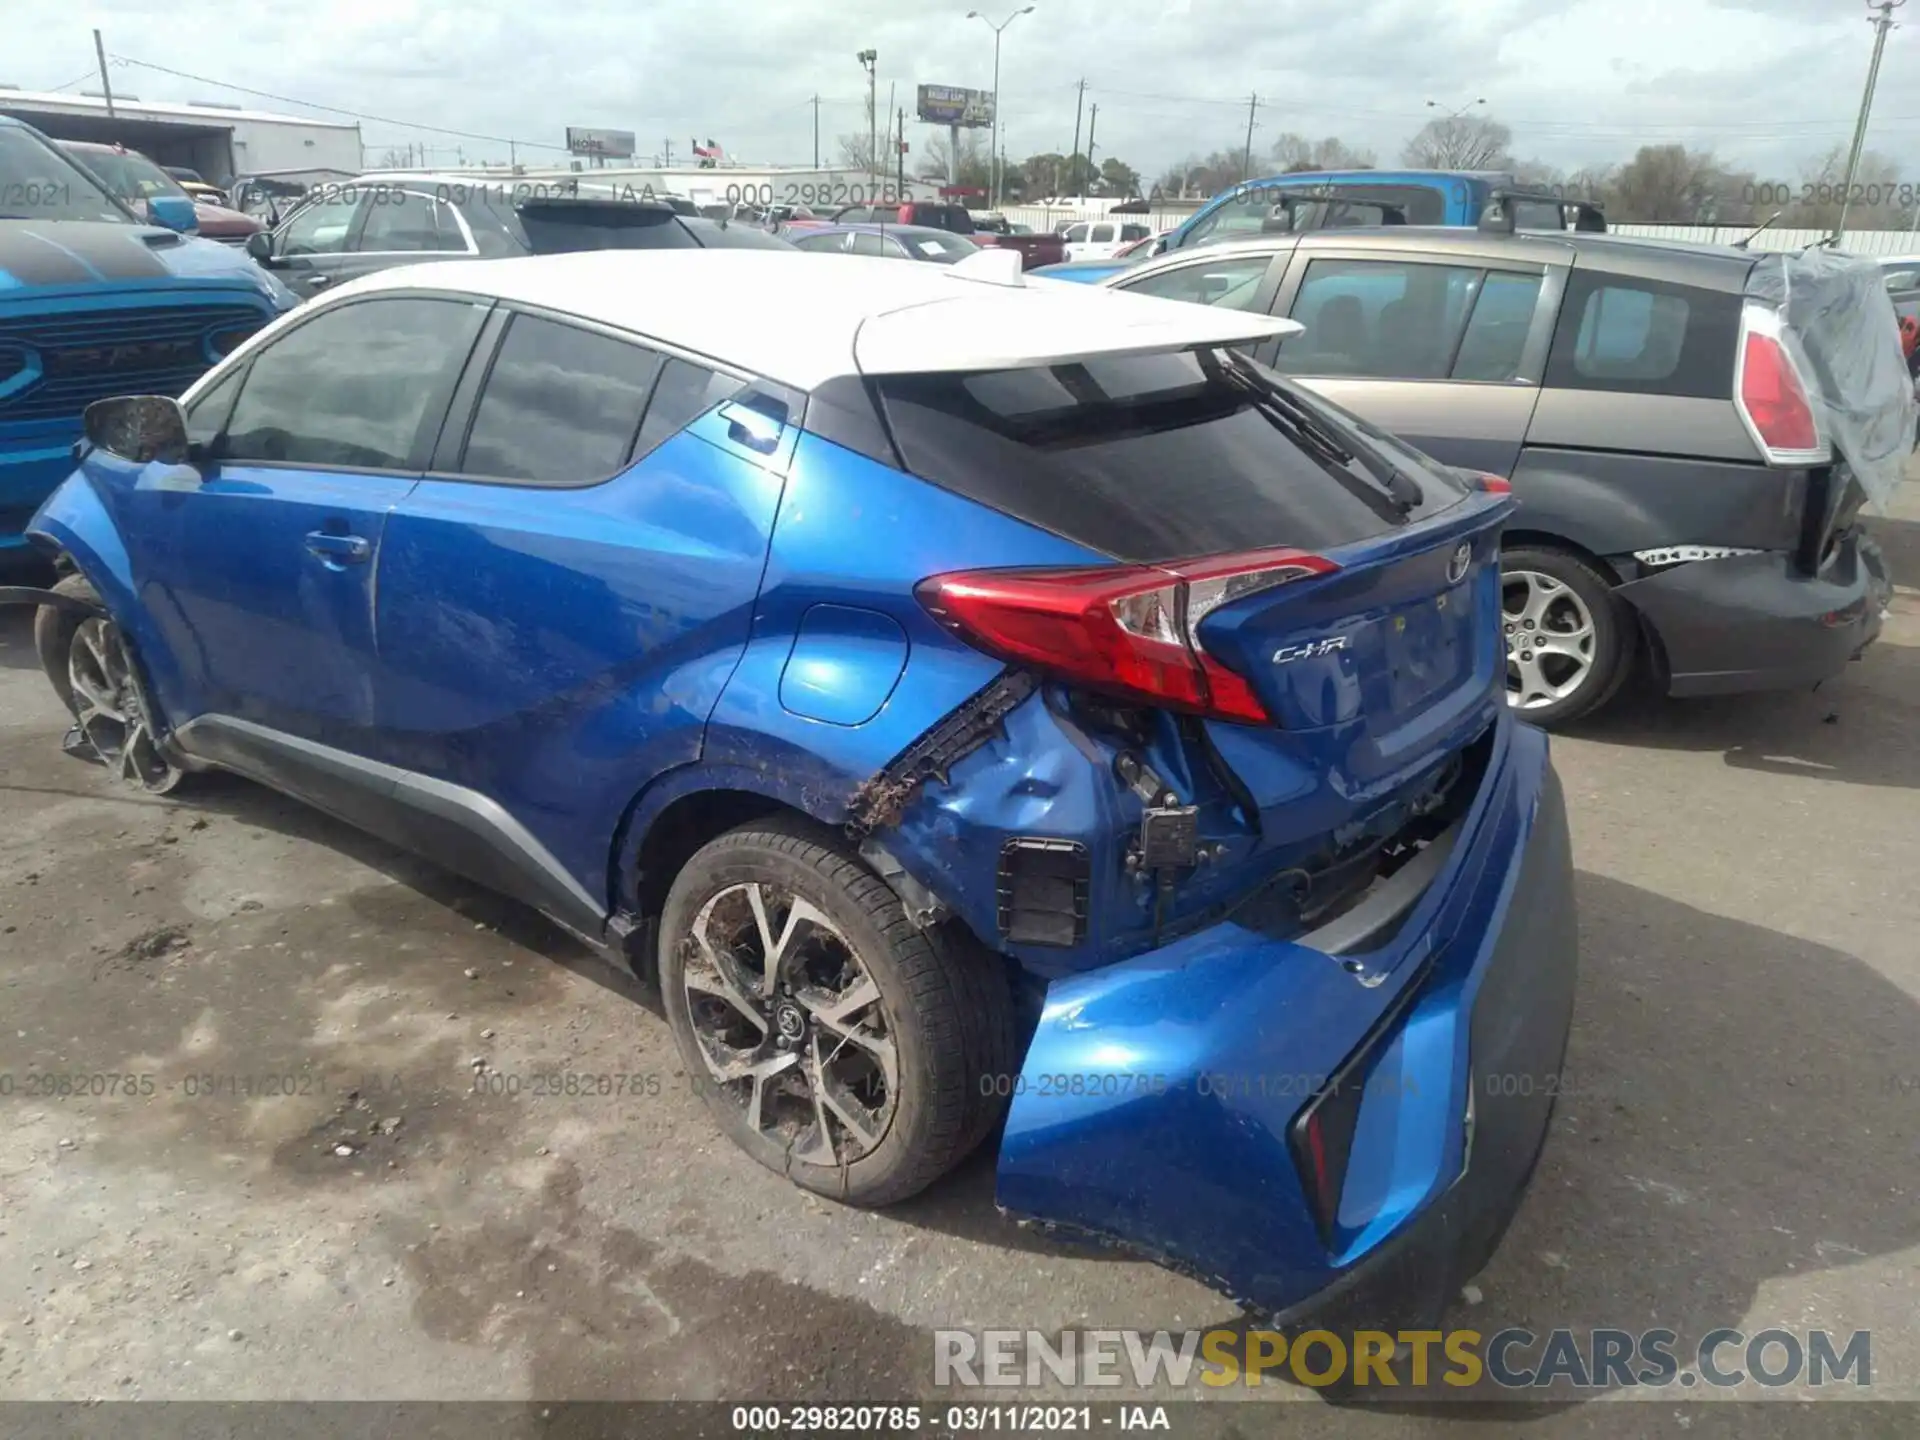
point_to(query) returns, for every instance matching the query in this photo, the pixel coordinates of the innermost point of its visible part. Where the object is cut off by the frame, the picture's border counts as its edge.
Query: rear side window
(1496, 337)
(1143, 457)
(1387, 319)
(403, 221)
(561, 405)
(684, 393)
(1625, 334)
(866, 242)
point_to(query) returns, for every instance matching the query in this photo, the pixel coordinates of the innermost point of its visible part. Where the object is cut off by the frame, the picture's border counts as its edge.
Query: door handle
(339, 549)
(319, 282)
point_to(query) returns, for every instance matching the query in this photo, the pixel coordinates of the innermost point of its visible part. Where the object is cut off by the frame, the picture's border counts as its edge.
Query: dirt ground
(344, 1170)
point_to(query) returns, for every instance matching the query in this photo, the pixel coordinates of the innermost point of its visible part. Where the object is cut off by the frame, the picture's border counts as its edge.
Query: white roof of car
(803, 319)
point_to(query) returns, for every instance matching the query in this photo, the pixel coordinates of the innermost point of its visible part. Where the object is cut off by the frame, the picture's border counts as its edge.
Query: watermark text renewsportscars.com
(1513, 1358)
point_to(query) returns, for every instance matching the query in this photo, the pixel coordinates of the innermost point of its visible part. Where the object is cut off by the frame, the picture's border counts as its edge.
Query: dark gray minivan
(1680, 499)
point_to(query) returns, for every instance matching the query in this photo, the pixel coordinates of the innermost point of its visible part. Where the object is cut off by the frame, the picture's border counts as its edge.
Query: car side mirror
(140, 428)
(176, 212)
(260, 246)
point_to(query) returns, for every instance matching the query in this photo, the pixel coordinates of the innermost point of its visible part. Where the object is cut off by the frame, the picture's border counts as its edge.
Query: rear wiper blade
(1304, 420)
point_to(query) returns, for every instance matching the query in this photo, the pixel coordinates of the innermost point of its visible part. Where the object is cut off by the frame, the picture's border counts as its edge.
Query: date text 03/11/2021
(1008, 1419)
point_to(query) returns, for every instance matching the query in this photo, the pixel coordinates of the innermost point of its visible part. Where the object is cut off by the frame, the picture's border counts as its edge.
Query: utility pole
(666, 161)
(1882, 21)
(902, 160)
(1246, 156)
(1093, 119)
(816, 132)
(1079, 101)
(880, 165)
(106, 86)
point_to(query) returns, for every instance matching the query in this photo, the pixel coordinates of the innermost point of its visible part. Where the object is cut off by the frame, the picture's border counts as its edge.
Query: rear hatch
(1820, 382)
(1324, 598)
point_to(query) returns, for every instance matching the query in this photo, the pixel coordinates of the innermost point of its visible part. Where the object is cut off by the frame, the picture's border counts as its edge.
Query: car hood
(219, 220)
(52, 255)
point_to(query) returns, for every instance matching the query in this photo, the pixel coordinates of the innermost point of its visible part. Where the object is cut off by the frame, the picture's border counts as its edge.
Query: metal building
(219, 141)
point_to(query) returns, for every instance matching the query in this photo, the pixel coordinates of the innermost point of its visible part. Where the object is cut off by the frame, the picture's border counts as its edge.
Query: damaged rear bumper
(1163, 1101)
(1751, 622)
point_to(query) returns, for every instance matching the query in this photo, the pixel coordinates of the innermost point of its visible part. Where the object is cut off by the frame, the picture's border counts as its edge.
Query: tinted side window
(1625, 334)
(823, 244)
(363, 385)
(561, 405)
(209, 412)
(685, 392)
(1231, 284)
(399, 221)
(865, 242)
(320, 228)
(1497, 332)
(1391, 319)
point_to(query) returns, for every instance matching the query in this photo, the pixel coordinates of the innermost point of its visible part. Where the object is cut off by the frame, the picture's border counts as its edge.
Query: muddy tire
(833, 1041)
(1569, 641)
(91, 666)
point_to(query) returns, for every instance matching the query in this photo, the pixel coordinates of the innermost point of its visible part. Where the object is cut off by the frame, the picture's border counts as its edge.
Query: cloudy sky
(1767, 83)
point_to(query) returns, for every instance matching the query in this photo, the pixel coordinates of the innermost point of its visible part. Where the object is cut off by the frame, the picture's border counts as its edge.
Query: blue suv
(969, 703)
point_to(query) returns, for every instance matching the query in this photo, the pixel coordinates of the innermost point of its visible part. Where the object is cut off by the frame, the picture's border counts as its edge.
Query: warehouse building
(219, 141)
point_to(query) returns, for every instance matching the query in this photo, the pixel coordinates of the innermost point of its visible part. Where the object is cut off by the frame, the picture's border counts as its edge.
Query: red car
(133, 178)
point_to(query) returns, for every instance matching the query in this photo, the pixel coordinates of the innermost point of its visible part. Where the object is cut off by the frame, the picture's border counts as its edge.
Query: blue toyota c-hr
(968, 699)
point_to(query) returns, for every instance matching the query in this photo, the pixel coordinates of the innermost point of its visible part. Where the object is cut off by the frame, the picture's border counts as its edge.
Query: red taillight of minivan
(1127, 630)
(1771, 395)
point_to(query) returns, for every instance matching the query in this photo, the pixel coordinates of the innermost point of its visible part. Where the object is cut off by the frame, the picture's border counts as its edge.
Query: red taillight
(1126, 629)
(1772, 397)
(1492, 484)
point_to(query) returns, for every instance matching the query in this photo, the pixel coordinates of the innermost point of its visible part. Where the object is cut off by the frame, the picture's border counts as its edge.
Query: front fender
(74, 521)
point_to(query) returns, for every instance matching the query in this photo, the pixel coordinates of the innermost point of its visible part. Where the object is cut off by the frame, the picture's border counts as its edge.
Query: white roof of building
(142, 109)
(803, 319)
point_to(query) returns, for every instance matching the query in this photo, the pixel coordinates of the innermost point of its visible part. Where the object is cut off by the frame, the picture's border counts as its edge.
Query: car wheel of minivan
(90, 666)
(1568, 646)
(834, 1041)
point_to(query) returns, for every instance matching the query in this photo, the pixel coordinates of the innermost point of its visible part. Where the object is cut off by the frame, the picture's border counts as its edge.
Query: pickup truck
(1330, 199)
(95, 301)
(1034, 250)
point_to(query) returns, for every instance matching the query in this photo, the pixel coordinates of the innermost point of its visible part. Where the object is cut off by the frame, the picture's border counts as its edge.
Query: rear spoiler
(1499, 212)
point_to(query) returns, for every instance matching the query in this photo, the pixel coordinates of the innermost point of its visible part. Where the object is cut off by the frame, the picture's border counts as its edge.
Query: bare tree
(1669, 184)
(1814, 202)
(855, 153)
(936, 160)
(1294, 153)
(1460, 142)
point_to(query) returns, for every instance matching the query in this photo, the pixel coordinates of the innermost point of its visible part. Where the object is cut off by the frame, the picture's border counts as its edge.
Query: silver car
(1615, 383)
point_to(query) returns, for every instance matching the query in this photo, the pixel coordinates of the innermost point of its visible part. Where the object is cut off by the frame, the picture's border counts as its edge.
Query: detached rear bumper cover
(1750, 622)
(1215, 1044)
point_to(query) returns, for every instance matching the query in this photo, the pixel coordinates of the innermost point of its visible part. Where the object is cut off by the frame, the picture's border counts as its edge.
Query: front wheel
(833, 1041)
(1568, 646)
(90, 666)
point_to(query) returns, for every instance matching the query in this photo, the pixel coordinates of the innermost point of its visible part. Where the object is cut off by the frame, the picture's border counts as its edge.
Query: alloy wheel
(109, 709)
(790, 1023)
(1550, 639)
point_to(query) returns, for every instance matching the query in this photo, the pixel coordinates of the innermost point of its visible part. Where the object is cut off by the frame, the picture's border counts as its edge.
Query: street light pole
(1882, 22)
(867, 59)
(1454, 114)
(993, 152)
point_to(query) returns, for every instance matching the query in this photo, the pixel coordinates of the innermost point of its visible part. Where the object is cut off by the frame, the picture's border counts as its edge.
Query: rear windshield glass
(1159, 456)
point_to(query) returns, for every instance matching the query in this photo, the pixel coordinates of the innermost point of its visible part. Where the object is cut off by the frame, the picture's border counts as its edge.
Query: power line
(335, 109)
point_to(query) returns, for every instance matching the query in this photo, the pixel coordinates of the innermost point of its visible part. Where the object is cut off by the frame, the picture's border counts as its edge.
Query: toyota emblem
(1457, 566)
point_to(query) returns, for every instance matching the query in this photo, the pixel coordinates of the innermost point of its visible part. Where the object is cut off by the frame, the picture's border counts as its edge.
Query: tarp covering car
(1838, 309)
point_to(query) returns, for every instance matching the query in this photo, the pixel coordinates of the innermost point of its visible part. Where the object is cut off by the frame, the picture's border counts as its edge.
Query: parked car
(937, 215)
(897, 242)
(95, 301)
(1138, 246)
(1102, 239)
(1345, 199)
(954, 687)
(1681, 501)
(342, 231)
(196, 185)
(145, 186)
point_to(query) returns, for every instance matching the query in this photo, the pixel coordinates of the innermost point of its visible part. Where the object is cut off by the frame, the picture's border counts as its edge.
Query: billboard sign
(952, 105)
(608, 144)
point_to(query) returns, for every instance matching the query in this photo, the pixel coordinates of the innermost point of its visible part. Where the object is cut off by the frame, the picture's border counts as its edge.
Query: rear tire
(91, 666)
(1569, 645)
(833, 1041)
